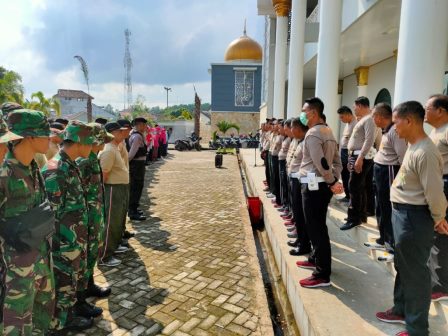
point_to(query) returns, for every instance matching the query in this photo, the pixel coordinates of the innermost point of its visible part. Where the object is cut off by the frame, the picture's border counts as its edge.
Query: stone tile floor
(192, 269)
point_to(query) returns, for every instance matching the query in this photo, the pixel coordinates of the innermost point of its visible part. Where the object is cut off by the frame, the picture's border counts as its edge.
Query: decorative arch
(383, 97)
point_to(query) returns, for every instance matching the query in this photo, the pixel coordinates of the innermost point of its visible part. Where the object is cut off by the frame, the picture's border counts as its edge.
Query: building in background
(236, 85)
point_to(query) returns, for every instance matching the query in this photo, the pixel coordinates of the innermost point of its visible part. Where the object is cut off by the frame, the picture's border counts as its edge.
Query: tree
(85, 71)
(11, 87)
(184, 114)
(46, 105)
(224, 126)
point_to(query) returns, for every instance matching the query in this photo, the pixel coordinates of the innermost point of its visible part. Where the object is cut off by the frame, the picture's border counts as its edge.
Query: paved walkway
(192, 269)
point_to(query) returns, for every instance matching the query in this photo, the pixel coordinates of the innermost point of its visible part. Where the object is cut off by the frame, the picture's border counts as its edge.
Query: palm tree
(46, 105)
(223, 126)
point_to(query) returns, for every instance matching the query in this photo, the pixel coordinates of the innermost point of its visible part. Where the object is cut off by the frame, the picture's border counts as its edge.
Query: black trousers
(315, 206)
(299, 217)
(275, 178)
(283, 175)
(414, 236)
(441, 242)
(357, 211)
(384, 176)
(345, 174)
(136, 182)
(267, 171)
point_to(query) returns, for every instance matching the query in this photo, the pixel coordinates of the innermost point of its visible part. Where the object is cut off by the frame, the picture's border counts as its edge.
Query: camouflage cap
(28, 123)
(101, 136)
(9, 107)
(77, 131)
(5, 134)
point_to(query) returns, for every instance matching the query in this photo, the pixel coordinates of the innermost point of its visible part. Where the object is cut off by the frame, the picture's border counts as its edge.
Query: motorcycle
(192, 142)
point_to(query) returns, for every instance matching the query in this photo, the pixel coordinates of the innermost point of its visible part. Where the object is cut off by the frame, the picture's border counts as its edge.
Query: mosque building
(388, 50)
(236, 85)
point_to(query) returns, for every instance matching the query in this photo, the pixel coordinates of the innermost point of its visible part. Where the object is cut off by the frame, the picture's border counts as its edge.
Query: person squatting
(390, 168)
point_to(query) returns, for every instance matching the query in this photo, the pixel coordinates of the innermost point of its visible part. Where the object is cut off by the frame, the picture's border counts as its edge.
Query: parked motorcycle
(192, 142)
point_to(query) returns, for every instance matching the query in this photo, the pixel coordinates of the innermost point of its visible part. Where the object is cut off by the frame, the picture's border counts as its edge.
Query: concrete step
(360, 285)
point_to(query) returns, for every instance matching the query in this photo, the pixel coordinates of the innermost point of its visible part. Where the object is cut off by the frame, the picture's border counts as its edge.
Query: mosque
(388, 50)
(236, 85)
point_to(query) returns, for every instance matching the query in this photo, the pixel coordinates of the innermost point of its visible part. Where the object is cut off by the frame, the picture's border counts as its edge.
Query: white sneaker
(110, 262)
(387, 257)
(121, 249)
(270, 195)
(374, 245)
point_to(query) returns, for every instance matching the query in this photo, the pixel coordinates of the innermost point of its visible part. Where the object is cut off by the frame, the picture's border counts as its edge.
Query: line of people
(390, 168)
(59, 220)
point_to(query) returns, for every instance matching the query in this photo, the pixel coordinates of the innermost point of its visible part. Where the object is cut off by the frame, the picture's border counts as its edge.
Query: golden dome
(244, 49)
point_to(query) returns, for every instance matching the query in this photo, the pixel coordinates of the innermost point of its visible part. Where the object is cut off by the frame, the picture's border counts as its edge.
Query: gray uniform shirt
(296, 161)
(276, 145)
(392, 148)
(348, 129)
(292, 148)
(285, 147)
(363, 135)
(267, 141)
(440, 138)
(320, 142)
(419, 180)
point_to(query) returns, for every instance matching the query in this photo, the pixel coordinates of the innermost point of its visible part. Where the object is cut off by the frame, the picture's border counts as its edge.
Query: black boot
(85, 309)
(77, 323)
(97, 291)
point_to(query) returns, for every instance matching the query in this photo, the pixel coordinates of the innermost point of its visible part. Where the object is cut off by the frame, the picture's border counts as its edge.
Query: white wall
(382, 75)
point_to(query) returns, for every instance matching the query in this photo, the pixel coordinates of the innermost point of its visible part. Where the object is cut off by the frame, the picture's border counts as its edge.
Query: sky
(172, 44)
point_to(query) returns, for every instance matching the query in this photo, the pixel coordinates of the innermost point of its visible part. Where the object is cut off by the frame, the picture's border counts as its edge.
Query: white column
(328, 58)
(271, 67)
(296, 58)
(422, 50)
(280, 66)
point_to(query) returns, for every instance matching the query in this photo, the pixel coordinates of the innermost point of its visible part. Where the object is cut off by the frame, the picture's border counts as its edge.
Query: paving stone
(190, 324)
(172, 327)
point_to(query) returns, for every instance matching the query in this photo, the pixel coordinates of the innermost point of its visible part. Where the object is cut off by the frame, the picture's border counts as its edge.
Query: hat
(5, 134)
(28, 123)
(77, 131)
(57, 125)
(9, 107)
(101, 136)
(124, 123)
(113, 126)
(100, 120)
(62, 121)
(139, 120)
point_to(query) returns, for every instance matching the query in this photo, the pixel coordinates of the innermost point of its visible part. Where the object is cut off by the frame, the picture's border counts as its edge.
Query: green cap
(5, 134)
(28, 123)
(101, 136)
(77, 131)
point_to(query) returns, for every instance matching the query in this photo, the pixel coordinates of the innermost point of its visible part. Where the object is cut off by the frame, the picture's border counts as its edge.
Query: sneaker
(290, 228)
(128, 234)
(387, 257)
(306, 264)
(439, 296)
(292, 235)
(281, 209)
(266, 189)
(389, 317)
(110, 262)
(289, 223)
(402, 333)
(121, 249)
(314, 282)
(270, 195)
(374, 245)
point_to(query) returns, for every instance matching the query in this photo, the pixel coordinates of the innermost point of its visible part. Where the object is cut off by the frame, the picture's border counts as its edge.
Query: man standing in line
(28, 295)
(67, 196)
(346, 116)
(274, 149)
(116, 186)
(319, 172)
(360, 163)
(418, 208)
(137, 167)
(387, 163)
(283, 175)
(437, 116)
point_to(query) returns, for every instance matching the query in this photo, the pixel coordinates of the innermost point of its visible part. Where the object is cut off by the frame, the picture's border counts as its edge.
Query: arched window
(383, 97)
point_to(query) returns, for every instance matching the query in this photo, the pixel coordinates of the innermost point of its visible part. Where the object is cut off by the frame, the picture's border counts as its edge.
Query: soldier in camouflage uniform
(67, 195)
(92, 179)
(29, 283)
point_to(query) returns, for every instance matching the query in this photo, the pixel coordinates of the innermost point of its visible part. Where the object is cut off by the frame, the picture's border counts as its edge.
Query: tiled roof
(72, 94)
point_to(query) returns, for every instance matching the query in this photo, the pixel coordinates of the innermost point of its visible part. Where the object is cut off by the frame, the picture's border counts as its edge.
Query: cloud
(173, 43)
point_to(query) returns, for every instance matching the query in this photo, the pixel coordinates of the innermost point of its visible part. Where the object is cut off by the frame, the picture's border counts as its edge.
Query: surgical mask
(303, 118)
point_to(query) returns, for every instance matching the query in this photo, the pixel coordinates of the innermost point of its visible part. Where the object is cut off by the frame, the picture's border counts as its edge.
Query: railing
(314, 16)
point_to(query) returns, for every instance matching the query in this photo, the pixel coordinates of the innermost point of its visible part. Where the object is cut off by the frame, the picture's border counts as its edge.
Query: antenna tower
(127, 71)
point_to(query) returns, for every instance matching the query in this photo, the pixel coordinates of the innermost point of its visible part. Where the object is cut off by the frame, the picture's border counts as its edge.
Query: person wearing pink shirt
(156, 135)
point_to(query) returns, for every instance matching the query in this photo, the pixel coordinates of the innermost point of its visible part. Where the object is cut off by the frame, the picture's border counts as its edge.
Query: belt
(305, 179)
(355, 152)
(401, 206)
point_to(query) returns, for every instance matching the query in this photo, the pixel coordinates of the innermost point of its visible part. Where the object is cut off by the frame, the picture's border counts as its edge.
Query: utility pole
(127, 70)
(167, 90)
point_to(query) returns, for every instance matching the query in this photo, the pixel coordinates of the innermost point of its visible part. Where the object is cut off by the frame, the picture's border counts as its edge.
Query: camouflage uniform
(29, 283)
(92, 178)
(66, 193)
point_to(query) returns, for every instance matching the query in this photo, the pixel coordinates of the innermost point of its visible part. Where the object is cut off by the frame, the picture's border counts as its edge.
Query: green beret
(77, 131)
(28, 123)
(101, 136)
(5, 134)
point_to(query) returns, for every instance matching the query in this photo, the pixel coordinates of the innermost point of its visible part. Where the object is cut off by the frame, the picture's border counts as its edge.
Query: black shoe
(349, 225)
(137, 217)
(379, 241)
(364, 220)
(299, 251)
(97, 291)
(87, 310)
(140, 212)
(127, 234)
(292, 243)
(78, 323)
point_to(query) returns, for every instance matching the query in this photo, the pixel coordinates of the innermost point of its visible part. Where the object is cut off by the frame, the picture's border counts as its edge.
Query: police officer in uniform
(320, 171)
